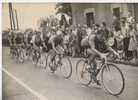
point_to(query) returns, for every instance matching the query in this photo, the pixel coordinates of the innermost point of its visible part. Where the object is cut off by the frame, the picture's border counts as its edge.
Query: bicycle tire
(21, 58)
(122, 77)
(70, 66)
(77, 72)
(46, 65)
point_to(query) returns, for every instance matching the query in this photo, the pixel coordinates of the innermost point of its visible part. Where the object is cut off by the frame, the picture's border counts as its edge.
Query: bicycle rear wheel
(47, 60)
(83, 74)
(112, 79)
(66, 67)
(21, 56)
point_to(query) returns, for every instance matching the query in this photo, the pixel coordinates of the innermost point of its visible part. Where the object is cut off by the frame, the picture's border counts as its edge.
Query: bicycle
(20, 54)
(12, 51)
(29, 51)
(59, 61)
(36, 55)
(105, 69)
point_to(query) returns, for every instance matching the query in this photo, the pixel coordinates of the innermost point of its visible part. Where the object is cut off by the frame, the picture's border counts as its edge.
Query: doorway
(116, 12)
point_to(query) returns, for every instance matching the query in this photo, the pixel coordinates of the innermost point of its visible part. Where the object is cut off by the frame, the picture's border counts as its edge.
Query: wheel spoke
(82, 73)
(66, 67)
(113, 80)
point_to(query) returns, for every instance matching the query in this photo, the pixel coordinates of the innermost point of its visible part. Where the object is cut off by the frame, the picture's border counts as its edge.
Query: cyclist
(56, 41)
(11, 38)
(45, 39)
(28, 38)
(37, 45)
(19, 42)
(19, 39)
(96, 46)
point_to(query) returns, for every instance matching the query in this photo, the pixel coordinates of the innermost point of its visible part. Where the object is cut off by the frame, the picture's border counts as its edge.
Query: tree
(64, 8)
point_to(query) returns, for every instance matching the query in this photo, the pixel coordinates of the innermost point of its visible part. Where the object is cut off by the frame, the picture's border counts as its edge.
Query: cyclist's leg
(92, 62)
(53, 55)
(92, 56)
(61, 50)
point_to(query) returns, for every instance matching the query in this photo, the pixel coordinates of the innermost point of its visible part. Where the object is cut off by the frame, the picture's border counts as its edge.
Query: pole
(16, 19)
(12, 16)
(11, 24)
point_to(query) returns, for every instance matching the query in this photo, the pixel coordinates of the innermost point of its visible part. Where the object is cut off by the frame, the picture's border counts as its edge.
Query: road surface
(33, 80)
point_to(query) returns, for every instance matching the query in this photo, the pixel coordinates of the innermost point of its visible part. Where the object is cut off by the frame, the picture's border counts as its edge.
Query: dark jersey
(57, 40)
(29, 38)
(19, 39)
(45, 39)
(38, 41)
(92, 40)
(100, 45)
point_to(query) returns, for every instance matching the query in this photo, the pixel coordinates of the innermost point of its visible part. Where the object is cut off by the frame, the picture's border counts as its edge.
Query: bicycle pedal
(98, 82)
(53, 69)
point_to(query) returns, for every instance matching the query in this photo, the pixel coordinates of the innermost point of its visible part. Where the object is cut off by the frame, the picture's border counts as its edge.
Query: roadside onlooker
(106, 31)
(116, 22)
(133, 42)
(130, 19)
(118, 38)
(124, 30)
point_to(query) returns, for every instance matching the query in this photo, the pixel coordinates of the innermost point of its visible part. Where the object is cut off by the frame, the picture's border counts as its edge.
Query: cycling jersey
(37, 40)
(99, 45)
(29, 38)
(56, 39)
(45, 39)
(19, 39)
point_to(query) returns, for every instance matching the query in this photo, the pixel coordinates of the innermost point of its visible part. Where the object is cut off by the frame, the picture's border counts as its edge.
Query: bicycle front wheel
(66, 67)
(112, 79)
(21, 56)
(84, 76)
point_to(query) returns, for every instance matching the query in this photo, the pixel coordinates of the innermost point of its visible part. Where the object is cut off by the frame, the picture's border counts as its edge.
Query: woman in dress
(133, 42)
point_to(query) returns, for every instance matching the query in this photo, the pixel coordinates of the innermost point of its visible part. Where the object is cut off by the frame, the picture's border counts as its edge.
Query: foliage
(64, 8)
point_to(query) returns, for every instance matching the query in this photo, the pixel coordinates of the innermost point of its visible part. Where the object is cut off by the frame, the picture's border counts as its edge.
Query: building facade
(85, 13)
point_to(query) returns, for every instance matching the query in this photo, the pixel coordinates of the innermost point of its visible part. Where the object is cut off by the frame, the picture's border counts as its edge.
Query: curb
(126, 63)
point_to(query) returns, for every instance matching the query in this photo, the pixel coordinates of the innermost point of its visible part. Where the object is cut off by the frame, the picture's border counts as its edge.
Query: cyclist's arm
(53, 46)
(111, 49)
(9, 39)
(14, 41)
(23, 40)
(26, 41)
(43, 42)
(33, 41)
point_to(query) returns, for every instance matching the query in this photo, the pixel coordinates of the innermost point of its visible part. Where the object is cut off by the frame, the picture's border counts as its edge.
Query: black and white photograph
(69, 51)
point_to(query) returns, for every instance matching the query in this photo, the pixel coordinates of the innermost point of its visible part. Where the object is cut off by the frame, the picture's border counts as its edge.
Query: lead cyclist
(97, 45)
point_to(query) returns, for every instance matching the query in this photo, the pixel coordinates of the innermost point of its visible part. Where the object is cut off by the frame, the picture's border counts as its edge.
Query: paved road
(55, 87)
(12, 90)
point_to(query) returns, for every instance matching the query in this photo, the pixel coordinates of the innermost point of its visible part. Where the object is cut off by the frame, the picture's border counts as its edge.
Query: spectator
(116, 22)
(124, 30)
(118, 38)
(89, 31)
(106, 31)
(63, 21)
(96, 28)
(133, 42)
(130, 19)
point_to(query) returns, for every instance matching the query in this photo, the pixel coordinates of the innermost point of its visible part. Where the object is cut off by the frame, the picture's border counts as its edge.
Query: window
(116, 12)
(90, 19)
